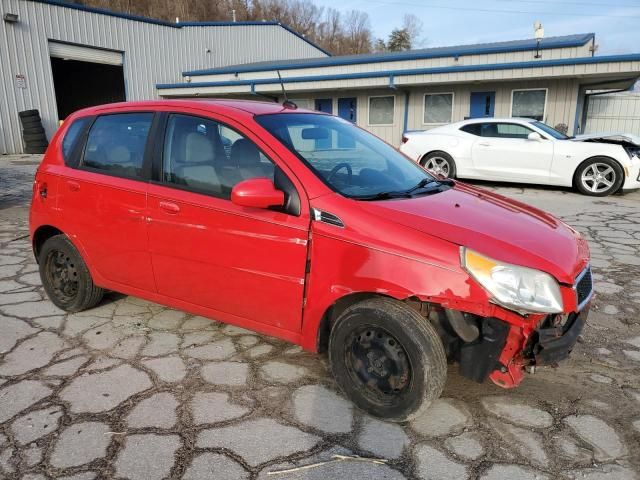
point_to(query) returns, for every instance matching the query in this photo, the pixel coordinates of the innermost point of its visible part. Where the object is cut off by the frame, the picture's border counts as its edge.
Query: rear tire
(440, 163)
(387, 359)
(598, 177)
(65, 276)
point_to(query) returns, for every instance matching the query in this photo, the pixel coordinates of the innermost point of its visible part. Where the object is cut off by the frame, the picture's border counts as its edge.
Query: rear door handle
(73, 186)
(170, 207)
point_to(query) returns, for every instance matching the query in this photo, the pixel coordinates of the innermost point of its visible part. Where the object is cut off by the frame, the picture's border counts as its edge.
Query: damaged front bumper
(503, 351)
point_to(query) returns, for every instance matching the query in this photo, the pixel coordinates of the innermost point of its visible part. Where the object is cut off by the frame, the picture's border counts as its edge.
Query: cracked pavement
(134, 390)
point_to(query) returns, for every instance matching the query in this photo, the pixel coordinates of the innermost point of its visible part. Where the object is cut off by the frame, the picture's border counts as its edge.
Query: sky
(459, 22)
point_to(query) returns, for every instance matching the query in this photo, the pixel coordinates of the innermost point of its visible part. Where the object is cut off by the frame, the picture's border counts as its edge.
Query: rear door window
(116, 144)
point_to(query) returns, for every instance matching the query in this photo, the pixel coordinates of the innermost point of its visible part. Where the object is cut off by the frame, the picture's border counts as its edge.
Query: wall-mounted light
(538, 33)
(11, 17)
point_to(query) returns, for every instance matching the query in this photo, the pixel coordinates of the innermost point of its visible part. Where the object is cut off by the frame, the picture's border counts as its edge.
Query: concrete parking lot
(132, 389)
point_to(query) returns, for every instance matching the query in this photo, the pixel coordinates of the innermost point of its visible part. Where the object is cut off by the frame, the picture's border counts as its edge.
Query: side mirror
(257, 193)
(535, 136)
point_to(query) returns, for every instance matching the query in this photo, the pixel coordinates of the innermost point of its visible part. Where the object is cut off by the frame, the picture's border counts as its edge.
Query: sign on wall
(21, 81)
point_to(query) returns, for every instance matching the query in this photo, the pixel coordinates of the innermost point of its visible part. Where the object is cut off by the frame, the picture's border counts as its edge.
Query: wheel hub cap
(378, 362)
(598, 177)
(62, 275)
(438, 165)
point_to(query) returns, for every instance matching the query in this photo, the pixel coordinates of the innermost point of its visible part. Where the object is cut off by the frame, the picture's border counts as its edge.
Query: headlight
(518, 288)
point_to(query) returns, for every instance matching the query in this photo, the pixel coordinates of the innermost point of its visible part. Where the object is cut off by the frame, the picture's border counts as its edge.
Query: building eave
(443, 52)
(407, 72)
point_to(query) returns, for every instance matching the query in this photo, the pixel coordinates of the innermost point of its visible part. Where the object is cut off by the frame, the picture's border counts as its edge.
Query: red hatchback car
(300, 225)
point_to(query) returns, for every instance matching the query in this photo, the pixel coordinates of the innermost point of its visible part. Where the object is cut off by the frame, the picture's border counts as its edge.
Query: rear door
(503, 151)
(244, 263)
(103, 198)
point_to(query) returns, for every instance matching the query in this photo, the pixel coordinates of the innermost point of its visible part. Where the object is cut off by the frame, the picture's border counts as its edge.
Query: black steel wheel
(387, 359)
(378, 363)
(65, 276)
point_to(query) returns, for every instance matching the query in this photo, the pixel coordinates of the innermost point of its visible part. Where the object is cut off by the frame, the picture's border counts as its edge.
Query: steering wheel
(339, 167)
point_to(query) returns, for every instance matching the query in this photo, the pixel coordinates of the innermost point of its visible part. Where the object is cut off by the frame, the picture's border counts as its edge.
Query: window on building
(528, 103)
(116, 143)
(207, 157)
(381, 110)
(438, 108)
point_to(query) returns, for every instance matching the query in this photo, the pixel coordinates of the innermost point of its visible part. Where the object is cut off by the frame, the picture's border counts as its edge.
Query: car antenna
(287, 103)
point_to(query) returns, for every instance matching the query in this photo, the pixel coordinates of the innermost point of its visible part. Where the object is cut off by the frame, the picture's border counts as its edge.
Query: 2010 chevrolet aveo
(300, 225)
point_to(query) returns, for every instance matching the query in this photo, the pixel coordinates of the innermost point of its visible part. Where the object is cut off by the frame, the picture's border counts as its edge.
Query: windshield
(550, 130)
(351, 161)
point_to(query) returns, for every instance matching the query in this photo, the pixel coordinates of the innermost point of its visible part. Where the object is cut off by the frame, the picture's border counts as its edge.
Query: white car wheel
(440, 163)
(599, 177)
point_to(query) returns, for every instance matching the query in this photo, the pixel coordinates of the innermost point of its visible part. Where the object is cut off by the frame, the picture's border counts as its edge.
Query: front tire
(440, 163)
(65, 276)
(387, 359)
(599, 177)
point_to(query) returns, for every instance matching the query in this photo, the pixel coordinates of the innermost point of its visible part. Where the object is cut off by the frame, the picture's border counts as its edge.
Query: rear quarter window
(72, 136)
(116, 144)
(473, 128)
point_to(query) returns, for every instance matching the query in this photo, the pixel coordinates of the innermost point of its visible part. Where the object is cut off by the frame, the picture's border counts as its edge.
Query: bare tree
(414, 28)
(337, 33)
(358, 37)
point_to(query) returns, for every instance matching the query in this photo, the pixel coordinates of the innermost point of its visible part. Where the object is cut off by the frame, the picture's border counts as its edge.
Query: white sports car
(527, 151)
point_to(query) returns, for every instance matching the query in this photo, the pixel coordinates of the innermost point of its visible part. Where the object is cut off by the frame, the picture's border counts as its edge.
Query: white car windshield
(348, 159)
(550, 130)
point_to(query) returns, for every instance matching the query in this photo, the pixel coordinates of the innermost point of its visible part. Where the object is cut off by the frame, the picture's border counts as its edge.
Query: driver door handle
(484, 144)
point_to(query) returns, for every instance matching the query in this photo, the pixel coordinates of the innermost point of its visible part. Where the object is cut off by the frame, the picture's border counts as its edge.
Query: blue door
(347, 108)
(324, 105)
(482, 104)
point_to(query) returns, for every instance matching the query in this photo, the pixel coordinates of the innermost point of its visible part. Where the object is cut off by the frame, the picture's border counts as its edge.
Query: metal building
(416, 90)
(614, 112)
(58, 57)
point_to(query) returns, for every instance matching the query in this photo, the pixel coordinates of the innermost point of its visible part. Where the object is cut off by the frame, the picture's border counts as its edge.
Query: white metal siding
(152, 54)
(619, 112)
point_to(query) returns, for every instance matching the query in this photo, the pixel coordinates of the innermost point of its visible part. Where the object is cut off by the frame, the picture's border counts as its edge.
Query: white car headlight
(514, 287)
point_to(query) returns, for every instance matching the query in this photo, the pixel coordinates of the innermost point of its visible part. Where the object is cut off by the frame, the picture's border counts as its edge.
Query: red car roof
(219, 105)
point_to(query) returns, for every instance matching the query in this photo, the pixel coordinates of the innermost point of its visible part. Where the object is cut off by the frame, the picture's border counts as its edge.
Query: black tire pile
(33, 136)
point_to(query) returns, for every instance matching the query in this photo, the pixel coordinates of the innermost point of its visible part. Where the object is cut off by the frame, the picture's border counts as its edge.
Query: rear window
(71, 137)
(472, 128)
(116, 144)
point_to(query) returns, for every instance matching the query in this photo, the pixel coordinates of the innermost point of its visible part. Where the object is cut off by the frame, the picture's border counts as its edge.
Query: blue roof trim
(155, 21)
(290, 30)
(438, 52)
(415, 71)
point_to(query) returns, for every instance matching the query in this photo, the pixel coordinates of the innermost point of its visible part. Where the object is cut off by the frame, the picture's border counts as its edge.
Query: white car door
(503, 151)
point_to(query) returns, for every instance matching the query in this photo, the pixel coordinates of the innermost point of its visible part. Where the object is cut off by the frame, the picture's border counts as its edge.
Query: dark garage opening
(84, 84)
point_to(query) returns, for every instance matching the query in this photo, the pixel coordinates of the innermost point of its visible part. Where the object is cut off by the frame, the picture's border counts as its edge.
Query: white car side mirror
(535, 136)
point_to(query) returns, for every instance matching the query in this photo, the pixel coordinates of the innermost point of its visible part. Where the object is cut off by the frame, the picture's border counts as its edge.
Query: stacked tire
(33, 136)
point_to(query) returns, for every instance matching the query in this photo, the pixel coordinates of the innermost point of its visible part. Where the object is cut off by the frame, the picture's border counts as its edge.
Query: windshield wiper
(424, 183)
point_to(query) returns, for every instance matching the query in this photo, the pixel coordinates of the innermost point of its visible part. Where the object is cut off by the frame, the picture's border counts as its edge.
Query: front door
(324, 105)
(347, 109)
(246, 263)
(105, 199)
(504, 152)
(482, 104)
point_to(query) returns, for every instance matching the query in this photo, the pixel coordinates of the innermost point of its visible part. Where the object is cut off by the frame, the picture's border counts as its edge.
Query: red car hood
(492, 225)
